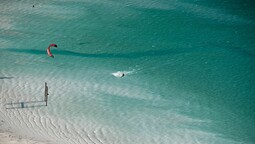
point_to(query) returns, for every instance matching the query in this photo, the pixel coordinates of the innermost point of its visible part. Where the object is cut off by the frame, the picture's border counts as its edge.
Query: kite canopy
(48, 49)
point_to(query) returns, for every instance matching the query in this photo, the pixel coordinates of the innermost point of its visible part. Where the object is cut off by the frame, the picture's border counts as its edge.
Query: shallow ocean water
(189, 71)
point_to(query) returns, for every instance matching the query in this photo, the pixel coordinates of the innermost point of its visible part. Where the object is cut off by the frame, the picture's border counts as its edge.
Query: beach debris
(48, 49)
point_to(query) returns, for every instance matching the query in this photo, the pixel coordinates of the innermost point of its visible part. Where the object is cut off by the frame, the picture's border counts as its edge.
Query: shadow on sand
(25, 104)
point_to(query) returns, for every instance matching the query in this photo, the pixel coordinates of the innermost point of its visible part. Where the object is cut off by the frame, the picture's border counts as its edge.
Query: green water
(191, 64)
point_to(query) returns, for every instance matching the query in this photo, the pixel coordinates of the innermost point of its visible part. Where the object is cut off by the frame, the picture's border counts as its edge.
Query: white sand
(8, 138)
(38, 124)
(12, 123)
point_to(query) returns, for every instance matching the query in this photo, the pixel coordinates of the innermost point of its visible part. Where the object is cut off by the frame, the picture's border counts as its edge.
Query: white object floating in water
(119, 74)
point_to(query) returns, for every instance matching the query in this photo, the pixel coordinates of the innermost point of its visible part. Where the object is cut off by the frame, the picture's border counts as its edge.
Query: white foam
(122, 73)
(118, 74)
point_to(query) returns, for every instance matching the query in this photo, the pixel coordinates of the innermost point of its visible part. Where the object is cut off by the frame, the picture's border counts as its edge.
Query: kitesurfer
(119, 74)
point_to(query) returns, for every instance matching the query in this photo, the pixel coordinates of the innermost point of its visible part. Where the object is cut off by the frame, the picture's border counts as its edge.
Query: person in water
(119, 74)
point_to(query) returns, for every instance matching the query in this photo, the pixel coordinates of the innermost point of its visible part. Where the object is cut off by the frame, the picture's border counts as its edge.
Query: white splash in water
(122, 73)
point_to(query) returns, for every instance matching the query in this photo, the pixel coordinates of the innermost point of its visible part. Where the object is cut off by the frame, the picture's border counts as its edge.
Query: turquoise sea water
(189, 68)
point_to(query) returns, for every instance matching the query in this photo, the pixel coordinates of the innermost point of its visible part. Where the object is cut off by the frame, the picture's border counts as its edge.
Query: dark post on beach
(46, 94)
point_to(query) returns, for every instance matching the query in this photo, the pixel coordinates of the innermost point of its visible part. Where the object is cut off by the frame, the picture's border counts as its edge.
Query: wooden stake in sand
(46, 94)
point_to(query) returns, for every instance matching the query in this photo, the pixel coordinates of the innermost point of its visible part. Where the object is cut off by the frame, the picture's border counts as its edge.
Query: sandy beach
(8, 138)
